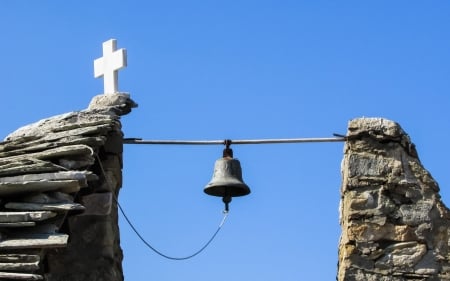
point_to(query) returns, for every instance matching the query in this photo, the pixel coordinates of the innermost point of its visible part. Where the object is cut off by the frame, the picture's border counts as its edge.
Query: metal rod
(216, 142)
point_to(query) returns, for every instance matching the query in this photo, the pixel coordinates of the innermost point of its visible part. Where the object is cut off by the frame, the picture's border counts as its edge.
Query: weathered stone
(97, 204)
(77, 162)
(57, 207)
(57, 140)
(24, 166)
(118, 100)
(394, 225)
(416, 214)
(364, 200)
(366, 232)
(19, 266)
(375, 127)
(111, 182)
(401, 256)
(48, 198)
(69, 186)
(19, 276)
(368, 166)
(47, 227)
(61, 175)
(85, 118)
(39, 165)
(35, 241)
(60, 123)
(17, 224)
(357, 274)
(9, 258)
(63, 151)
(25, 216)
(428, 265)
(112, 162)
(114, 144)
(83, 131)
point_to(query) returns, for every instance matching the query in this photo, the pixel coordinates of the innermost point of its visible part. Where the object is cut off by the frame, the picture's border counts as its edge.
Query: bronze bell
(227, 179)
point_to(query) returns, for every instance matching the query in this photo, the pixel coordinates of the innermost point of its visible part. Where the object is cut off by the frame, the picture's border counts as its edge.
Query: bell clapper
(226, 199)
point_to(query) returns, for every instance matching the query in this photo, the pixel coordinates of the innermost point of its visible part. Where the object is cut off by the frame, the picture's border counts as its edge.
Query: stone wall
(394, 224)
(60, 176)
(59, 179)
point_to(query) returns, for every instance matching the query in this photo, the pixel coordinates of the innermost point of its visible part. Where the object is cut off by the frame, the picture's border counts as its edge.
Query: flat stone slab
(62, 122)
(12, 217)
(35, 241)
(20, 266)
(19, 276)
(17, 224)
(54, 141)
(22, 166)
(67, 186)
(63, 175)
(57, 207)
(69, 150)
(7, 258)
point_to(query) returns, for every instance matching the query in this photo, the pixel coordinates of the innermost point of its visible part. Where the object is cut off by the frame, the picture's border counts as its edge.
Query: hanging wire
(225, 215)
(170, 257)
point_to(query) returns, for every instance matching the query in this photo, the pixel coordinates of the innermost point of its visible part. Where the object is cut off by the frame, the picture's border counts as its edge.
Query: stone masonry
(59, 179)
(394, 224)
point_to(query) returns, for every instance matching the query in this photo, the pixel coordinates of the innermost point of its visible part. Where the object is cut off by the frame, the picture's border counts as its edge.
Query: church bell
(227, 179)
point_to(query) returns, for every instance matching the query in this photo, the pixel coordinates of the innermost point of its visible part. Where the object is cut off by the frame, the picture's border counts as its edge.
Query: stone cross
(108, 65)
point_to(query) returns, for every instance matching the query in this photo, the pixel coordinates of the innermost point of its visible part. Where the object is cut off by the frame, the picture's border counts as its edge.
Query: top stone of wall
(112, 105)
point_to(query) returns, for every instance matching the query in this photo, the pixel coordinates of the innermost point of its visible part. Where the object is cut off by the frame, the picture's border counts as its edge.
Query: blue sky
(236, 70)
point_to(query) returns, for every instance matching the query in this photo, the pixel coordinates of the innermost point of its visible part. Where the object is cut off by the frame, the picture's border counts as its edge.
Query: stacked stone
(394, 224)
(58, 179)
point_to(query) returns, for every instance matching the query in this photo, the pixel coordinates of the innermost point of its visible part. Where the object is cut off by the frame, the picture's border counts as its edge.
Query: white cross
(108, 65)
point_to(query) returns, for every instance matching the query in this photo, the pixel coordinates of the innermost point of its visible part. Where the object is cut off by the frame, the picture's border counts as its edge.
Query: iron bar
(234, 142)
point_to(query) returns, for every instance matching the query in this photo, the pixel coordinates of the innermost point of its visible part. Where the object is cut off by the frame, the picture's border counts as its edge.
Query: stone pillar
(93, 252)
(394, 224)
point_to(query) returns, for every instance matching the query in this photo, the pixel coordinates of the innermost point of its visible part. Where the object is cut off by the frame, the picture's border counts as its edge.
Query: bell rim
(220, 190)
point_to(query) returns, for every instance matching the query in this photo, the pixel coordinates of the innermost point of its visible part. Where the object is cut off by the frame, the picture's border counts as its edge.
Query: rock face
(394, 224)
(59, 179)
